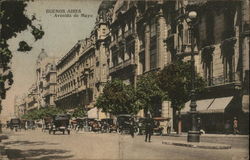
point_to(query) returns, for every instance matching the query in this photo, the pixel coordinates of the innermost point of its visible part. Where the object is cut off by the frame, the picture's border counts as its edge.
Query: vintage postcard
(124, 79)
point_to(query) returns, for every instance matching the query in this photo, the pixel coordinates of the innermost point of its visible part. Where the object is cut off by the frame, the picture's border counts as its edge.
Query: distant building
(43, 91)
(45, 79)
(83, 71)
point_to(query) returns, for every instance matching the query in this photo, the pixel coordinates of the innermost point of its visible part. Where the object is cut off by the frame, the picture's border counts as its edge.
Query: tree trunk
(175, 120)
(179, 122)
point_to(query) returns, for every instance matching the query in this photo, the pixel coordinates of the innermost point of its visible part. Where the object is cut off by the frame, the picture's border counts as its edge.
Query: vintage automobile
(80, 123)
(60, 123)
(125, 122)
(141, 122)
(95, 126)
(30, 124)
(85, 123)
(47, 123)
(15, 124)
(108, 125)
(159, 124)
(7, 124)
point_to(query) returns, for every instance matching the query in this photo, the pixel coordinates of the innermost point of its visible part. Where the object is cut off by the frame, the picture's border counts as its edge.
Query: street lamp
(193, 133)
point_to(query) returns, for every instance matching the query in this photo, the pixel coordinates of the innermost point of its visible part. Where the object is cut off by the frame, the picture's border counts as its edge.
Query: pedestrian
(235, 126)
(227, 127)
(131, 127)
(169, 123)
(148, 128)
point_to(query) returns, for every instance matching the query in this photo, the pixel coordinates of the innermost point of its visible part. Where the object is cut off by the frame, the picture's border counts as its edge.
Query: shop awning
(92, 113)
(214, 105)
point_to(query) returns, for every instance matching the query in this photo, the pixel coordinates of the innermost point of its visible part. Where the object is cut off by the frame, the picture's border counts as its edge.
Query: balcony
(222, 80)
(122, 65)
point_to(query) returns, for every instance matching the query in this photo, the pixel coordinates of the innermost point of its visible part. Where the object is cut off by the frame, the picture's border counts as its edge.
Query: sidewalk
(210, 135)
(207, 141)
(204, 145)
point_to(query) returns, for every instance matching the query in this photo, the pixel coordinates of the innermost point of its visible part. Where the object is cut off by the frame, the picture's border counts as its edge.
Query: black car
(15, 123)
(30, 124)
(141, 125)
(108, 125)
(80, 123)
(47, 124)
(125, 122)
(96, 126)
(60, 123)
(88, 124)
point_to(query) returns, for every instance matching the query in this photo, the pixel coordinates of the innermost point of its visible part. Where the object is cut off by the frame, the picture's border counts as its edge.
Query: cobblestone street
(42, 146)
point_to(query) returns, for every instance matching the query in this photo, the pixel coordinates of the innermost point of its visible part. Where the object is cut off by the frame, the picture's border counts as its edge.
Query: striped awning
(214, 105)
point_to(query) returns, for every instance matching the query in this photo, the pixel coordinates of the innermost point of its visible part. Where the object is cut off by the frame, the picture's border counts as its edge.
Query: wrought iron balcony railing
(221, 79)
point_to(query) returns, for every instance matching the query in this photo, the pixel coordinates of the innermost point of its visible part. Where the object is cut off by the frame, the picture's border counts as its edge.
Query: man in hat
(235, 126)
(148, 128)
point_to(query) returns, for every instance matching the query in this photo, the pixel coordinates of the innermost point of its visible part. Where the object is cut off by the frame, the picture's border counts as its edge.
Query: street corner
(203, 145)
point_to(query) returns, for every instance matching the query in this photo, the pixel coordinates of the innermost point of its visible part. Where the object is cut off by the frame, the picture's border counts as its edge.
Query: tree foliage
(42, 113)
(79, 112)
(13, 21)
(148, 92)
(118, 98)
(175, 80)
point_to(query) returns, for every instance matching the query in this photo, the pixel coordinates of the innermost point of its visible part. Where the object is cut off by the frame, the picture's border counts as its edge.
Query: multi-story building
(20, 106)
(132, 38)
(32, 98)
(67, 96)
(82, 72)
(45, 80)
(50, 84)
(221, 57)
(137, 33)
(42, 92)
(148, 35)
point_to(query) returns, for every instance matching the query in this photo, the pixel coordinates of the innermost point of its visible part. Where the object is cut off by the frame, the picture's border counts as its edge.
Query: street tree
(175, 80)
(79, 112)
(13, 21)
(42, 113)
(149, 94)
(117, 98)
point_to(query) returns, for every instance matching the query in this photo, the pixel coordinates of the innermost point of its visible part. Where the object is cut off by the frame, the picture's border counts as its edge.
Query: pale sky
(61, 34)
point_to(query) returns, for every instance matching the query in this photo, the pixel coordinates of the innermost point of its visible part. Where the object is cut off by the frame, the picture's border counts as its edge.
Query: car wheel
(137, 131)
(54, 132)
(68, 132)
(63, 132)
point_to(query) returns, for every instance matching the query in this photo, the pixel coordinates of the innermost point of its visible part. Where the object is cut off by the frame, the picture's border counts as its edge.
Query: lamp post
(193, 133)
